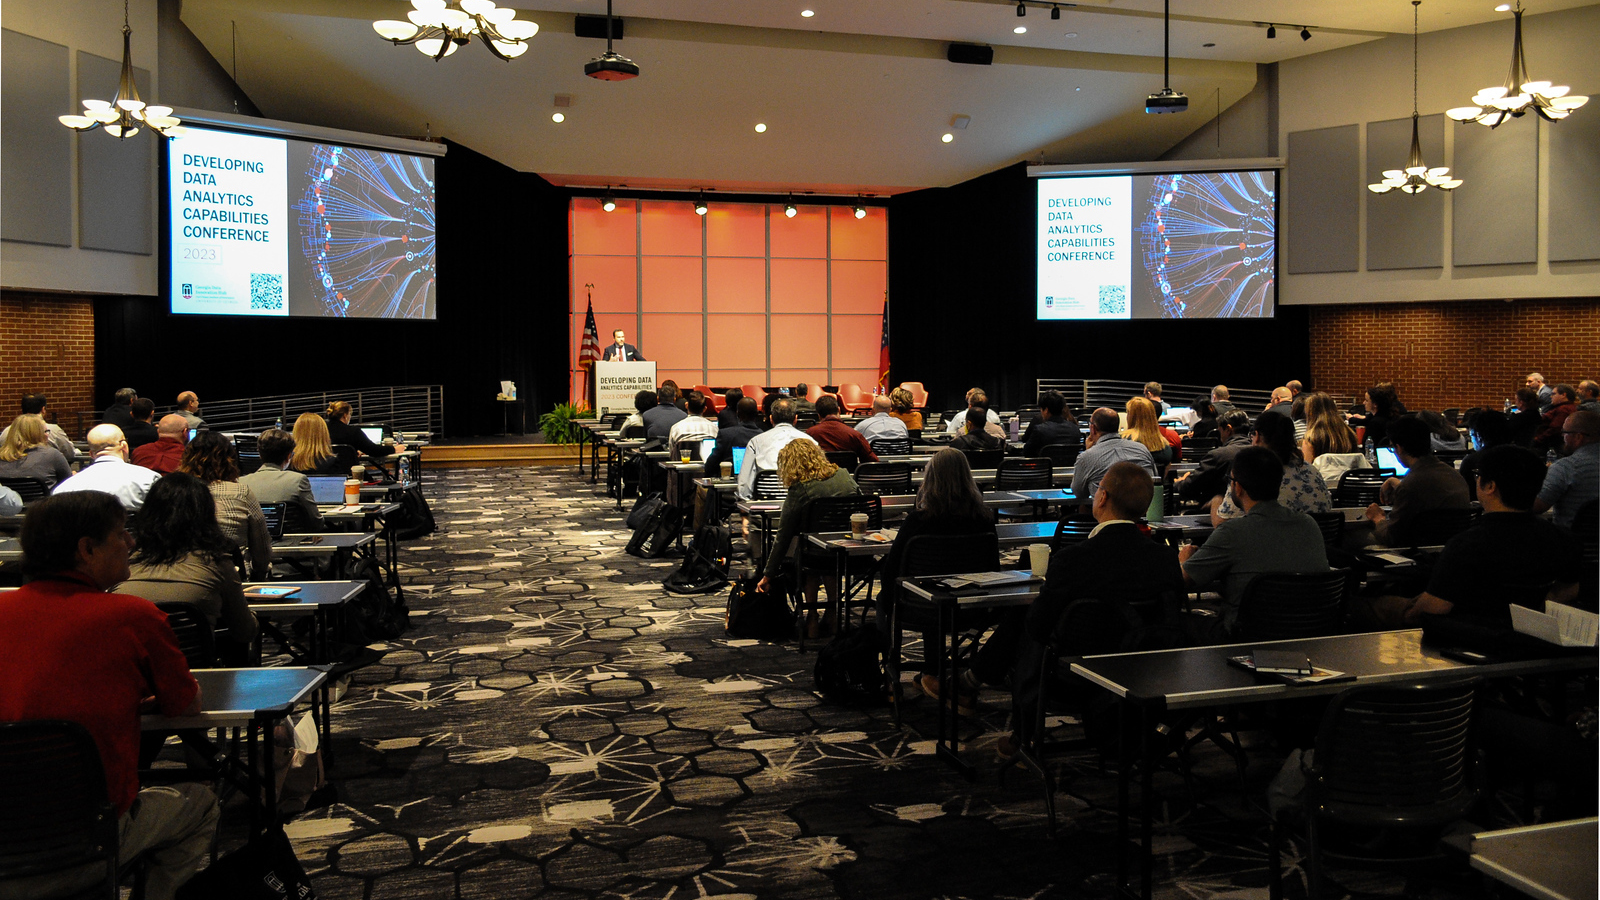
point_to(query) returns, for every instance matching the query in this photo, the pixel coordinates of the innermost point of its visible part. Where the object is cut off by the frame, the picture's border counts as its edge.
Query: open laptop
(374, 433)
(327, 490)
(738, 460)
(1389, 459)
(706, 446)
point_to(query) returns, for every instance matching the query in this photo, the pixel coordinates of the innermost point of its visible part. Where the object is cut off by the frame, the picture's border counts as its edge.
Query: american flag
(589, 353)
(883, 353)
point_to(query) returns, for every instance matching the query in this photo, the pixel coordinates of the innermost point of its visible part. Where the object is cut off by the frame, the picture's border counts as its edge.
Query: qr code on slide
(266, 291)
(1113, 299)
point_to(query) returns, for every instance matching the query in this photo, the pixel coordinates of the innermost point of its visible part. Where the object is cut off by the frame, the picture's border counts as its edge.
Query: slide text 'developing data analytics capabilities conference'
(264, 226)
(1177, 246)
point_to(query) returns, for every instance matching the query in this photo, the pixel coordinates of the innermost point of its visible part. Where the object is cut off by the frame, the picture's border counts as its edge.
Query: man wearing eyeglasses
(1574, 479)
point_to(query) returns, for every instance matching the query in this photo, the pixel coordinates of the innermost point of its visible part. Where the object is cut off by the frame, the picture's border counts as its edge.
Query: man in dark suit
(620, 350)
(120, 412)
(728, 416)
(1210, 478)
(738, 434)
(142, 431)
(1053, 426)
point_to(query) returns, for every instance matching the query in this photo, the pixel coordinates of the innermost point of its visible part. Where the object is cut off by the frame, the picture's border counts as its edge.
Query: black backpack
(413, 519)
(373, 614)
(643, 508)
(657, 530)
(705, 565)
(763, 615)
(849, 669)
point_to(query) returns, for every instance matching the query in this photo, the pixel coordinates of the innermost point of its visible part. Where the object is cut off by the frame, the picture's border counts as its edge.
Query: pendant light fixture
(1416, 177)
(1494, 105)
(123, 115)
(1166, 100)
(610, 65)
(436, 28)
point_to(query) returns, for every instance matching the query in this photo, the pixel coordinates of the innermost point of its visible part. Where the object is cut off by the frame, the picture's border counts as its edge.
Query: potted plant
(559, 426)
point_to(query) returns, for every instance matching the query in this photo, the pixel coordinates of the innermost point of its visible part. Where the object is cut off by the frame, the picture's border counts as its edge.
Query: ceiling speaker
(971, 54)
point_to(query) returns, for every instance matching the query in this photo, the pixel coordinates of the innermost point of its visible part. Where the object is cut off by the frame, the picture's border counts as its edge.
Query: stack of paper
(1559, 624)
(989, 579)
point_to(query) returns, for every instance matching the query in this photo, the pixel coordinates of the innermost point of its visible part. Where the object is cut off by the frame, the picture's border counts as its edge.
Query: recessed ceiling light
(1078, 88)
(761, 128)
(1020, 29)
(558, 118)
(947, 137)
(807, 13)
(1070, 34)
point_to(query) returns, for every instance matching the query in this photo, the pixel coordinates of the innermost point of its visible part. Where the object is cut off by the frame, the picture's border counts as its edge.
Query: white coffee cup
(1039, 558)
(858, 525)
(727, 470)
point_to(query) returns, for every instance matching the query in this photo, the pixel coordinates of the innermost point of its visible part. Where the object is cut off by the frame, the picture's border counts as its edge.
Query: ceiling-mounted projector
(1166, 100)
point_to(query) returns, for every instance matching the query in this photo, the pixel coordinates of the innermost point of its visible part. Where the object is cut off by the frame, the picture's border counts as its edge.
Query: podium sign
(615, 383)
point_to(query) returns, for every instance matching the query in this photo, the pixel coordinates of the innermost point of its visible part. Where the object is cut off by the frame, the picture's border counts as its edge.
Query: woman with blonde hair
(313, 451)
(26, 453)
(900, 403)
(808, 475)
(1144, 429)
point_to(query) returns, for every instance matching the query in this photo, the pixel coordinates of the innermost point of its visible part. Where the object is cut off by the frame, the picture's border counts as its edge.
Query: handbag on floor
(763, 615)
(264, 869)
(850, 669)
(705, 565)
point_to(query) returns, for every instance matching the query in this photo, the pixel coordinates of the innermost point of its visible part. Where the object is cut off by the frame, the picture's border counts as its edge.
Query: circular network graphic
(1209, 247)
(367, 232)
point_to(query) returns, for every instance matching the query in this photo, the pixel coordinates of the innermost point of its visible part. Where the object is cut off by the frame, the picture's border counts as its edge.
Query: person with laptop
(834, 436)
(163, 454)
(734, 437)
(1429, 483)
(275, 482)
(693, 428)
(340, 431)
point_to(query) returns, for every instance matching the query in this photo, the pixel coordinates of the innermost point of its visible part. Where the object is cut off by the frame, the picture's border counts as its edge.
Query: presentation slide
(265, 226)
(1169, 246)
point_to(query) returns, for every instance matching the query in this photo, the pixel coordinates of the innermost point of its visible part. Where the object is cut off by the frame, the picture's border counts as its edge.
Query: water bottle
(1016, 428)
(278, 424)
(1371, 453)
(1551, 457)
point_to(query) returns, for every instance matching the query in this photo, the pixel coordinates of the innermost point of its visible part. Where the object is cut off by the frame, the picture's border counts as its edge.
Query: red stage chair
(853, 398)
(919, 394)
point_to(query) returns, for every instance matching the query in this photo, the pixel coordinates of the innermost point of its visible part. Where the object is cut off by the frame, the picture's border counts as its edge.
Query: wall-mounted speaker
(971, 54)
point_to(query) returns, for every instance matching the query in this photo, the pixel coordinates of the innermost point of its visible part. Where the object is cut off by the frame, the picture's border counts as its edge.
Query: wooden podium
(615, 383)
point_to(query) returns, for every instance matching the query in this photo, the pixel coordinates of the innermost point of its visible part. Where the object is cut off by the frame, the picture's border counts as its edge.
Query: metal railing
(1085, 395)
(413, 409)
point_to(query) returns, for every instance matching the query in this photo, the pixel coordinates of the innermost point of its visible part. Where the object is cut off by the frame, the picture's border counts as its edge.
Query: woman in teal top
(808, 475)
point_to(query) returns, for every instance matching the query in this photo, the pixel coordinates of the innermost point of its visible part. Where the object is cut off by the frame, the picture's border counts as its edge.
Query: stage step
(469, 455)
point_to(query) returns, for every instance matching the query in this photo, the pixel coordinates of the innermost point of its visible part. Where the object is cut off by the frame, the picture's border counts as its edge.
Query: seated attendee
(70, 650)
(801, 403)
(1589, 395)
(1574, 479)
(180, 554)
(1525, 417)
(1297, 413)
(1105, 448)
(189, 408)
(1429, 483)
(678, 396)
(1443, 435)
(808, 476)
(25, 452)
(313, 451)
(659, 419)
(958, 422)
(1220, 401)
(633, 426)
(1152, 392)
(274, 482)
(1281, 403)
(1210, 477)
(142, 431)
(10, 502)
(110, 472)
(1378, 406)
(1144, 430)
(1480, 570)
(1204, 421)
(163, 453)
(340, 431)
(210, 458)
(1563, 403)
(38, 405)
(1541, 391)
(1302, 488)
(1055, 425)
(1295, 388)
(1117, 563)
(902, 405)
(976, 432)
(728, 416)
(833, 435)
(1489, 429)
(948, 503)
(747, 425)
(761, 454)
(1269, 537)
(881, 424)
(120, 412)
(692, 428)
(1329, 444)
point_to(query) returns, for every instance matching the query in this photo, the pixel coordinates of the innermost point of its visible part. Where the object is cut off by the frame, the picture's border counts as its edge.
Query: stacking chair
(886, 446)
(616, 422)
(1395, 764)
(1357, 488)
(1332, 526)
(1061, 456)
(1024, 473)
(826, 514)
(844, 459)
(29, 489)
(936, 554)
(804, 420)
(55, 816)
(769, 487)
(984, 459)
(1452, 415)
(884, 478)
(1071, 530)
(1195, 448)
(347, 455)
(1285, 606)
(195, 637)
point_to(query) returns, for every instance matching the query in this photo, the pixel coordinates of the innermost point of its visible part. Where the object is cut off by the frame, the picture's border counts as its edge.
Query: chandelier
(437, 28)
(122, 116)
(1416, 177)
(1494, 105)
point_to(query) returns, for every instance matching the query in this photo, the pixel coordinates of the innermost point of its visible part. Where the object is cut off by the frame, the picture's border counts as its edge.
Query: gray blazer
(273, 485)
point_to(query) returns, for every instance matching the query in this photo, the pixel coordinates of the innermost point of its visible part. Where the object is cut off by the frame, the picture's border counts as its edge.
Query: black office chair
(805, 420)
(884, 478)
(631, 433)
(347, 456)
(768, 487)
(1452, 415)
(1061, 456)
(1024, 473)
(844, 459)
(984, 459)
(1331, 524)
(890, 446)
(1195, 448)
(1357, 488)
(936, 554)
(1395, 765)
(54, 813)
(617, 419)
(1286, 606)
(195, 636)
(29, 489)
(828, 514)
(1071, 529)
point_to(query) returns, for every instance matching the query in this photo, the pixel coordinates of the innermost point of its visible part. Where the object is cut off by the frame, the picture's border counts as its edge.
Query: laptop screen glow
(738, 460)
(706, 446)
(374, 433)
(1389, 459)
(327, 488)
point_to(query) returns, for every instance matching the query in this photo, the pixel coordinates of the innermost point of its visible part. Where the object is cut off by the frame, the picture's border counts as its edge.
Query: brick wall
(47, 344)
(1456, 353)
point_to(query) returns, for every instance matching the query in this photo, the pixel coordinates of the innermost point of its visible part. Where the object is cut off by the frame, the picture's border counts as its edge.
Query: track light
(1055, 11)
(700, 204)
(608, 202)
(1305, 33)
(1272, 32)
(788, 208)
(861, 211)
(1022, 9)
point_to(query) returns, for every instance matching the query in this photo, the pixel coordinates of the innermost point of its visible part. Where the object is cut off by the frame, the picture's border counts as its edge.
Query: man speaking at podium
(621, 350)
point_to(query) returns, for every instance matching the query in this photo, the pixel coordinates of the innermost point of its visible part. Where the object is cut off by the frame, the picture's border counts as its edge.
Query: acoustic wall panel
(736, 285)
(1495, 214)
(853, 238)
(736, 229)
(116, 176)
(1404, 231)
(1575, 184)
(1322, 204)
(36, 160)
(595, 231)
(799, 285)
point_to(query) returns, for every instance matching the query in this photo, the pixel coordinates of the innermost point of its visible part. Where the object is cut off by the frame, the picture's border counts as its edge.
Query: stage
(498, 450)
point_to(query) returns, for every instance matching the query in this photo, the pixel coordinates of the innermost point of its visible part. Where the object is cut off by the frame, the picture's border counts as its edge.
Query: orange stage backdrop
(741, 295)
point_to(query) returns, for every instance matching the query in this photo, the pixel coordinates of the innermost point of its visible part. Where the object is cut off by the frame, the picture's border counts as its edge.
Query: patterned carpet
(558, 726)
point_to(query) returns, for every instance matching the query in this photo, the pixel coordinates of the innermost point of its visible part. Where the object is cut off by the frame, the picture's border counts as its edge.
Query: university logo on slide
(188, 291)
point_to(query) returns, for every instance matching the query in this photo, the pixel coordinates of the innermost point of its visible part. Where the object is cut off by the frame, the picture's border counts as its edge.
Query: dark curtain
(502, 314)
(961, 311)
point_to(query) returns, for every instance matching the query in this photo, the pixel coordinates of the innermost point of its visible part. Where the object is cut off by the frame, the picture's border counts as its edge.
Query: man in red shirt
(70, 650)
(163, 453)
(832, 434)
